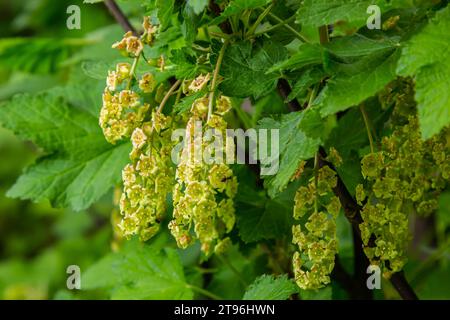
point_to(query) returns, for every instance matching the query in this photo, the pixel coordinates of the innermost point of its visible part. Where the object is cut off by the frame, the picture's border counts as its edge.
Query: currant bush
(264, 149)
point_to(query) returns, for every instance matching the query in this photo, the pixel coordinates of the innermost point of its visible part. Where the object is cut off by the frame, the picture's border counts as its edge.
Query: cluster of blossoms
(204, 192)
(148, 178)
(121, 113)
(124, 109)
(317, 207)
(405, 176)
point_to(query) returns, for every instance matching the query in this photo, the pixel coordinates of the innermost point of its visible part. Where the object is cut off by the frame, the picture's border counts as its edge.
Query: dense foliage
(363, 117)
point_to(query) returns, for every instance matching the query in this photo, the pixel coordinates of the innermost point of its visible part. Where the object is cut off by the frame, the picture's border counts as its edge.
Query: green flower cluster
(124, 109)
(148, 179)
(150, 176)
(121, 113)
(318, 207)
(203, 195)
(203, 191)
(405, 176)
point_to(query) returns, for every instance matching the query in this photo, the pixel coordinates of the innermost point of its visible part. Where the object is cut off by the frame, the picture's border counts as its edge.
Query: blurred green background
(38, 243)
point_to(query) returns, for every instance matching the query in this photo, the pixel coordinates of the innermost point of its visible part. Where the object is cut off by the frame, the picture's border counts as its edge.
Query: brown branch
(284, 90)
(343, 277)
(403, 287)
(120, 17)
(360, 263)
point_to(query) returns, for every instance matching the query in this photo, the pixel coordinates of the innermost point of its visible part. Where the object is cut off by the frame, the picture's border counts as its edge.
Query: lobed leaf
(140, 272)
(79, 166)
(299, 140)
(246, 68)
(268, 287)
(424, 57)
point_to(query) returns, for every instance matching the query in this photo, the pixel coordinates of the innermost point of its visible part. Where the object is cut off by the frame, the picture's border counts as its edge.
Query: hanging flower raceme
(123, 108)
(318, 207)
(203, 195)
(148, 178)
(406, 174)
(122, 111)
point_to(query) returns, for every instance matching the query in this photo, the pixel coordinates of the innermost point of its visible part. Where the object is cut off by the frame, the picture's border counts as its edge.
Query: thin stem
(367, 124)
(206, 270)
(167, 96)
(215, 77)
(243, 116)
(281, 24)
(219, 35)
(313, 95)
(179, 92)
(234, 21)
(259, 19)
(323, 34)
(200, 48)
(276, 267)
(120, 17)
(233, 269)
(204, 292)
(284, 90)
(288, 27)
(132, 71)
(207, 34)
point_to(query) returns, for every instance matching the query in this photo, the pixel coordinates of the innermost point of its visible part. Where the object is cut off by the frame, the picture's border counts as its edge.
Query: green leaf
(37, 55)
(320, 294)
(237, 6)
(262, 218)
(425, 58)
(186, 103)
(359, 45)
(165, 9)
(268, 287)
(226, 282)
(197, 5)
(79, 166)
(433, 98)
(245, 68)
(346, 90)
(317, 13)
(140, 272)
(191, 23)
(308, 54)
(267, 106)
(305, 81)
(31, 83)
(258, 216)
(429, 46)
(443, 216)
(169, 40)
(298, 141)
(184, 65)
(96, 69)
